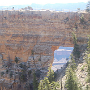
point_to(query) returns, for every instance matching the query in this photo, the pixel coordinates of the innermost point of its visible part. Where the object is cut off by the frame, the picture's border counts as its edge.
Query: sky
(24, 2)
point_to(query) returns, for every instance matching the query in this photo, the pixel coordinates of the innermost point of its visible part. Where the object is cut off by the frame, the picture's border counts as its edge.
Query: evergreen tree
(88, 6)
(88, 45)
(76, 51)
(50, 75)
(88, 64)
(72, 63)
(82, 21)
(74, 38)
(41, 86)
(55, 85)
(16, 59)
(88, 60)
(35, 82)
(46, 85)
(87, 87)
(71, 80)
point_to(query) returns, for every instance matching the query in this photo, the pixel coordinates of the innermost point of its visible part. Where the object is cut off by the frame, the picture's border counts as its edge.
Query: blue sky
(24, 2)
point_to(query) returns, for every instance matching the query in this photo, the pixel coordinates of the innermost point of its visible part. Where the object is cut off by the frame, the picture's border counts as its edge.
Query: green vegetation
(76, 26)
(32, 52)
(16, 59)
(23, 77)
(44, 84)
(35, 82)
(88, 64)
(88, 45)
(50, 75)
(88, 7)
(87, 87)
(7, 71)
(72, 63)
(48, 83)
(2, 73)
(82, 68)
(38, 73)
(27, 8)
(87, 58)
(71, 79)
(82, 21)
(76, 51)
(29, 73)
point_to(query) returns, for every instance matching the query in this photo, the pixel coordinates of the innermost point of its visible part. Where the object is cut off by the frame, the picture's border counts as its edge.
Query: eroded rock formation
(42, 32)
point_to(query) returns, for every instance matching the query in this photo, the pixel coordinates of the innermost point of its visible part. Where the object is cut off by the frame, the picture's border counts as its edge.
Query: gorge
(40, 31)
(33, 36)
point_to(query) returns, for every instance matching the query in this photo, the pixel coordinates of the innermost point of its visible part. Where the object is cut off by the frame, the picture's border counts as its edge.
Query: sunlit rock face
(40, 31)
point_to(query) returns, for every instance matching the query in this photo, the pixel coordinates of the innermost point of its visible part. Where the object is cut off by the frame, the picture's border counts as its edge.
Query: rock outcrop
(42, 32)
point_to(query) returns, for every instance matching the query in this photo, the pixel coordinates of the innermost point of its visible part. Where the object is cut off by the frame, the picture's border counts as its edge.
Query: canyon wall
(34, 35)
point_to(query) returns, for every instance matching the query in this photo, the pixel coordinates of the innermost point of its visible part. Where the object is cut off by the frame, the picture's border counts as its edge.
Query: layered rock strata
(42, 32)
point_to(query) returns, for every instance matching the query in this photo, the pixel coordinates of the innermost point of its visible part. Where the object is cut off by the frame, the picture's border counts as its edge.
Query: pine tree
(76, 51)
(35, 82)
(88, 60)
(41, 86)
(74, 38)
(72, 63)
(48, 83)
(71, 80)
(44, 84)
(50, 75)
(87, 87)
(88, 64)
(88, 7)
(16, 60)
(55, 85)
(88, 45)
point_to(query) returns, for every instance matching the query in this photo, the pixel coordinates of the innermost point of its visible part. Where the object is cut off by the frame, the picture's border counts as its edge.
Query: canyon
(24, 34)
(33, 36)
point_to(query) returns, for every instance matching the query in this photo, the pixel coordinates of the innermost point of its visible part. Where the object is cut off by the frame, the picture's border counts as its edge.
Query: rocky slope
(32, 36)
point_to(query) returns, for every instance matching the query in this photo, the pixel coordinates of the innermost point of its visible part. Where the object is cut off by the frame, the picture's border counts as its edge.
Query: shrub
(7, 71)
(38, 73)
(82, 68)
(29, 73)
(2, 73)
(82, 19)
(11, 74)
(16, 59)
(23, 77)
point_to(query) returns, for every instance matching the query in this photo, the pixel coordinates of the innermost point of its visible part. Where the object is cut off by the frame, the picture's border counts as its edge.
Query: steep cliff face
(42, 32)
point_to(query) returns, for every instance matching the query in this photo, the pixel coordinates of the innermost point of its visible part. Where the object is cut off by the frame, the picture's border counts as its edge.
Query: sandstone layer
(42, 32)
